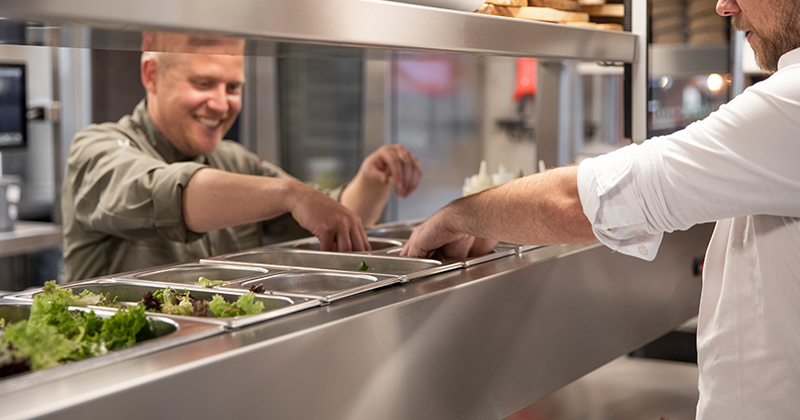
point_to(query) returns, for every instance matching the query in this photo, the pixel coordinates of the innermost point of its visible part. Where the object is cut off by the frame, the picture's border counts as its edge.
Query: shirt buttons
(643, 250)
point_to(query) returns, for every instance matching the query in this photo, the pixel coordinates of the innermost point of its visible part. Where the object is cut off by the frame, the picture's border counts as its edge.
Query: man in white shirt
(738, 167)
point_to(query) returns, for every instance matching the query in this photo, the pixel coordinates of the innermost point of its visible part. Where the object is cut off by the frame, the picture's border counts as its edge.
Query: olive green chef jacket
(121, 199)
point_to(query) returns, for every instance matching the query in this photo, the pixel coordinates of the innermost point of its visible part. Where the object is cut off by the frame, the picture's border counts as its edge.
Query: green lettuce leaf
(42, 344)
(245, 305)
(120, 330)
(248, 306)
(218, 305)
(202, 281)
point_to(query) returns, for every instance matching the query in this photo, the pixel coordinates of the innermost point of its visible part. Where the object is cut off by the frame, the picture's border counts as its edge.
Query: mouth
(208, 122)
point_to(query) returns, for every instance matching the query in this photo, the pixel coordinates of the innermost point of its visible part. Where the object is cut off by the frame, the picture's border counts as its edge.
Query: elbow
(576, 226)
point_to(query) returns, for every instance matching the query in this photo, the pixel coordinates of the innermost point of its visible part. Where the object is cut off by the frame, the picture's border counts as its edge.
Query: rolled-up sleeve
(740, 160)
(611, 205)
(120, 190)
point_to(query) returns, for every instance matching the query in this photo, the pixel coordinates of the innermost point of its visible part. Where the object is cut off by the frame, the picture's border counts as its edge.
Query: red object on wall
(526, 78)
(429, 76)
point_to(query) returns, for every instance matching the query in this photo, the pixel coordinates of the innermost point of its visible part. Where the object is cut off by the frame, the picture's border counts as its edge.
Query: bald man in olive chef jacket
(160, 185)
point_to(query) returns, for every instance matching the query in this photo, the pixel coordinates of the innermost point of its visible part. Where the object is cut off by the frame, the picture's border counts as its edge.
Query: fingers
(412, 248)
(397, 163)
(326, 241)
(411, 175)
(425, 239)
(458, 249)
(343, 243)
(336, 227)
(407, 180)
(359, 239)
(481, 247)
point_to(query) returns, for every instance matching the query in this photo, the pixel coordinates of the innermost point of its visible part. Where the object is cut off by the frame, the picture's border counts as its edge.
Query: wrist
(290, 193)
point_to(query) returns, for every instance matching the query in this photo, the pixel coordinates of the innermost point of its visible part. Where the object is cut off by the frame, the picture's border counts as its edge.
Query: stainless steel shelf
(365, 24)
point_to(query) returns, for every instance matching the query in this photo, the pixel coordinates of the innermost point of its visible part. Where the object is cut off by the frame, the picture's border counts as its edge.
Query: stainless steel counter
(475, 343)
(28, 237)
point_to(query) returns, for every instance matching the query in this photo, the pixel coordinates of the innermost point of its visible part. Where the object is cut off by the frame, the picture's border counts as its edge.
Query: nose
(727, 7)
(218, 99)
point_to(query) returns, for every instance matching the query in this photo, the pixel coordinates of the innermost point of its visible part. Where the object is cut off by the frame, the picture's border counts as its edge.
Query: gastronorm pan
(325, 286)
(129, 292)
(161, 332)
(319, 260)
(378, 245)
(190, 273)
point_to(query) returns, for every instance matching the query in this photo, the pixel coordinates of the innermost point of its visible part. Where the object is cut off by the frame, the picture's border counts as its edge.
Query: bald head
(194, 87)
(164, 48)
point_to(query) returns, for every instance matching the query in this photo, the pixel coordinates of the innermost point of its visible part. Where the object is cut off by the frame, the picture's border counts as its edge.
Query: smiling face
(772, 26)
(193, 99)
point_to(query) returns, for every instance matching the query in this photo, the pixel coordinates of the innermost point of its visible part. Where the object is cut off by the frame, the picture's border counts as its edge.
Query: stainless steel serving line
(476, 342)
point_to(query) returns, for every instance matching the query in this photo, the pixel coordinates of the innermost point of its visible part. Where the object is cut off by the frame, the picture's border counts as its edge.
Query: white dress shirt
(741, 167)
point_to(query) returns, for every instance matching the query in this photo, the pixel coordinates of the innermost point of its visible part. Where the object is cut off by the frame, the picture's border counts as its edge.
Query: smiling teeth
(208, 121)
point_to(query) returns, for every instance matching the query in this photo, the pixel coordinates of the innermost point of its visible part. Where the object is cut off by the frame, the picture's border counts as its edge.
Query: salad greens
(52, 334)
(170, 301)
(202, 281)
(363, 266)
(245, 305)
(85, 298)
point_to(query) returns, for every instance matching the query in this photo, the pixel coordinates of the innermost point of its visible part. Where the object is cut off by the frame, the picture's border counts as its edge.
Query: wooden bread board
(547, 14)
(493, 9)
(513, 3)
(592, 25)
(569, 5)
(606, 10)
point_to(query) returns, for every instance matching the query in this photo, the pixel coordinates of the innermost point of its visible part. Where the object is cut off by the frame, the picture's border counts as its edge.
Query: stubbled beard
(783, 38)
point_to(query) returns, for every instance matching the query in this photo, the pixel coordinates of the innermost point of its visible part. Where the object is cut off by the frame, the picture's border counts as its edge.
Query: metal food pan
(392, 232)
(297, 258)
(326, 286)
(190, 273)
(160, 333)
(378, 245)
(129, 292)
(403, 232)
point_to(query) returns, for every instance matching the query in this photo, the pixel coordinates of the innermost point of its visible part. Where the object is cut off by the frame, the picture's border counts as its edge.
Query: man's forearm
(543, 209)
(215, 199)
(366, 199)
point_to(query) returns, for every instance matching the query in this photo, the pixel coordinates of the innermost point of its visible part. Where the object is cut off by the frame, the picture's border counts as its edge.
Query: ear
(148, 67)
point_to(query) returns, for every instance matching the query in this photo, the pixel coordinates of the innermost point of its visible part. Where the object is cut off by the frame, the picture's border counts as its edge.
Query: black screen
(13, 123)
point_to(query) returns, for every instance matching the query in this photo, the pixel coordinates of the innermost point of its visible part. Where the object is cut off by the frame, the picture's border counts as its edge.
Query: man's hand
(386, 167)
(440, 234)
(394, 165)
(336, 227)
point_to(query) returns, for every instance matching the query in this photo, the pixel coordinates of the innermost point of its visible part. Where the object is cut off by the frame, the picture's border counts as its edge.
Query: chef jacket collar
(790, 58)
(157, 139)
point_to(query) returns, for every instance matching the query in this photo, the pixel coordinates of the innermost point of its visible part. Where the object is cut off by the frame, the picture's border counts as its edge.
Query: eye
(203, 84)
(234, 89)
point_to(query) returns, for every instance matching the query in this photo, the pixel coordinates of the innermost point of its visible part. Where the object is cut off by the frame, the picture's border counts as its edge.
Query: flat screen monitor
(13, 106)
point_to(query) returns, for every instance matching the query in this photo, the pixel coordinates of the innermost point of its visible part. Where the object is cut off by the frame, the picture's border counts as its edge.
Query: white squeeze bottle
(478, 182)
(501, 177)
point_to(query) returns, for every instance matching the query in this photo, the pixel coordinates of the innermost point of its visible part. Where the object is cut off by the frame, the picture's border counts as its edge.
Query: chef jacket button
(643, 250)
(641, 238)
